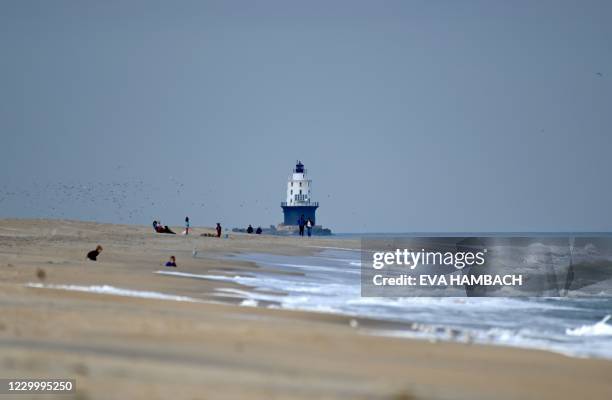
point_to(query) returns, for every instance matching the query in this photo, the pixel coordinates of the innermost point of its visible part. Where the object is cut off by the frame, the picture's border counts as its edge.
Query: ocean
(329, 282)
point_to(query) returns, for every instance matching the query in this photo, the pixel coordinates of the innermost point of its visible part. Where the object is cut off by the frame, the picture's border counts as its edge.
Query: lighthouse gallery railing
(309, 204)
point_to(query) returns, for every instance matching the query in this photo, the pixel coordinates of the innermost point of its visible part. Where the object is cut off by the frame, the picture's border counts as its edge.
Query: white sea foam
(249, 303)
(334, 248)
(336, 259)
(267, 283)
(316, 268)
(243, 294)
(111, 290)
(187, 275)
(600, 328)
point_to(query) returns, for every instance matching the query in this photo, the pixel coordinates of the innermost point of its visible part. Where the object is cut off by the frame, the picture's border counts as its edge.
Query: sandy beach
(196, 344)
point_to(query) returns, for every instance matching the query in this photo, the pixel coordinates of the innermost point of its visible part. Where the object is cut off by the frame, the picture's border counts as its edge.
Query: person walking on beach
(309, 226)
(218, 230)
(93, 255)
(171, 262)
(301, 222)
(186, 225)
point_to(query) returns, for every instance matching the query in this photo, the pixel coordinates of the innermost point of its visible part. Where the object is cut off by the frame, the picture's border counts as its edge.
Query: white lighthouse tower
(298, 187)
(298, 197)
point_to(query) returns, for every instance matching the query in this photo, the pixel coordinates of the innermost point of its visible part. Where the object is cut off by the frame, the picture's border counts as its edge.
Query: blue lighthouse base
(293, 213)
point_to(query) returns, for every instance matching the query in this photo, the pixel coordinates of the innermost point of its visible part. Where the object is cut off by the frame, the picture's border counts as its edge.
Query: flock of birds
(76, 200)
(130, 201)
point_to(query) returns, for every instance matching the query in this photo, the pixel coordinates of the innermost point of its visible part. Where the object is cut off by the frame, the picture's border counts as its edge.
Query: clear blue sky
(409, 115)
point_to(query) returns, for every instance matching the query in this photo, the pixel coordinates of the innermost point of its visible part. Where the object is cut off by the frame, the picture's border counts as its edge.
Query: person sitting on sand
(218, 230)
(250, 229)
(167, 230)
(159, 228)
(258, 231)
(93, 255)
(171, 262)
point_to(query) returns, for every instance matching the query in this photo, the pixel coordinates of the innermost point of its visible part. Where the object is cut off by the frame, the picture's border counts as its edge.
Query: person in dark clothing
(258, 231)
(93, 255)
(301, 222)
(171, 262)
(159, 228)
(167, 230)
(186, 225)
(250, 229)
(218, 230)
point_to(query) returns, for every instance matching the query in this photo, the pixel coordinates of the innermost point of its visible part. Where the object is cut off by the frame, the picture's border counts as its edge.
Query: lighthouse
(299, 201)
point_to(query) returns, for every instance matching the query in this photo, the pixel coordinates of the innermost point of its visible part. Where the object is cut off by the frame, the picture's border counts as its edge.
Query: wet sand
(211, 348)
